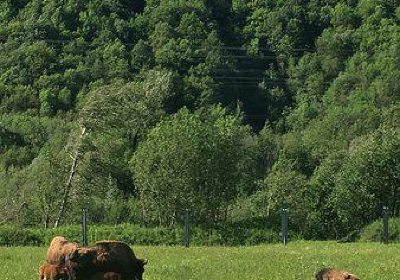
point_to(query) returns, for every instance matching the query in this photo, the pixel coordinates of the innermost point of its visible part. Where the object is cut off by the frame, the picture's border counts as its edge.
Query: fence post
(187, 229)
(285, 226)
(385, 214)
(84, 228)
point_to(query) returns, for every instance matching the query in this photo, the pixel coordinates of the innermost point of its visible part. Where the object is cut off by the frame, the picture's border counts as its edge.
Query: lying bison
(334, 274)
(106, 256)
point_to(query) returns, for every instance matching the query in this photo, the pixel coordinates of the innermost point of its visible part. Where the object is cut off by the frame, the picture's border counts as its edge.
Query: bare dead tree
(67, 188)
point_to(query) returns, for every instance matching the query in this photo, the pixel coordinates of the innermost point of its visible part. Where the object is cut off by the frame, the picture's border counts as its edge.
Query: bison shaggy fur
(54, 272)
(59, 248)
(107, 256)
(106, 276)
(329, 273)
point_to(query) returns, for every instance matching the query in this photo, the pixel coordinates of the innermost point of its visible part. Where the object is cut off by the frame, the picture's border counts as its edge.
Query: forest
(233, 109)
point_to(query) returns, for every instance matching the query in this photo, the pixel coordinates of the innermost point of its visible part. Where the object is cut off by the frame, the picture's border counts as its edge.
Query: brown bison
(55, 267)
(54, 272)
(59, 248)
(106, 256)
(334, 274)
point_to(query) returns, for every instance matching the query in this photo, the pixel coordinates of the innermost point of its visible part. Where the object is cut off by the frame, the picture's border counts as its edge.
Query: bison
(55, 272)
(106, 256)
(59, 248)
(55, 267)
(334, 274)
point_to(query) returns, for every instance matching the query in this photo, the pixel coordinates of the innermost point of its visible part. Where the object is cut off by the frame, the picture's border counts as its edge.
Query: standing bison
(55, 267)
(334, 274)
(59, 248)
(107, 260)
(106, 256)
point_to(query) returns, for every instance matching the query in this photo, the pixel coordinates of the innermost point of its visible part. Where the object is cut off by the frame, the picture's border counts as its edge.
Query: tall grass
(296, 261)
(20, 263)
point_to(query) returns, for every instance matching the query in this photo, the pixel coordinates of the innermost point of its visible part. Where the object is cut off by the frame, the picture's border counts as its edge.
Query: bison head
(82, 255)
(335, 274)
(81, 261)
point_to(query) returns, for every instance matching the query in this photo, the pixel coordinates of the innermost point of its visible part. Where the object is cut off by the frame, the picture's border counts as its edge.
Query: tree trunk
(268, 207)
(23, 205)
(68, 184)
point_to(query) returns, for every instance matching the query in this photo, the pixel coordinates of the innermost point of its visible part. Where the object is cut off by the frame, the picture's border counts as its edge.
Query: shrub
(229, 234)
(374, 231)
(14, 236)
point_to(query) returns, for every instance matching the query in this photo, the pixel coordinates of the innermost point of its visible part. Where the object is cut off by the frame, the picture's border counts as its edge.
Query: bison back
(115, 256)
(59, 248)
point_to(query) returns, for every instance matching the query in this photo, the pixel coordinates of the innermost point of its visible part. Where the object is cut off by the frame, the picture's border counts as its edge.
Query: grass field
(297, 260)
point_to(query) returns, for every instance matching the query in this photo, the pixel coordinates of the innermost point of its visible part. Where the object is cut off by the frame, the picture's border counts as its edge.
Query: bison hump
(110, 247)
(116, 255)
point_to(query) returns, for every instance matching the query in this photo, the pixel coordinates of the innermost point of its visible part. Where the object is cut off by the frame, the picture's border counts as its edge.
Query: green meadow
(297, 260)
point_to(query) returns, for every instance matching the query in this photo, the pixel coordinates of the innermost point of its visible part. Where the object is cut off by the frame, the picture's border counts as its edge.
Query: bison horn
(74, 255)
(350, 276)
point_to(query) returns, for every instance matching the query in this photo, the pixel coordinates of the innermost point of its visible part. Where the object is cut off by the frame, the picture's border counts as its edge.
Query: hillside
(234, 109)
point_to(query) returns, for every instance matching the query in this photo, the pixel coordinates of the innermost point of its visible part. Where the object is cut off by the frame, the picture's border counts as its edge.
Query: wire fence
(387, 228)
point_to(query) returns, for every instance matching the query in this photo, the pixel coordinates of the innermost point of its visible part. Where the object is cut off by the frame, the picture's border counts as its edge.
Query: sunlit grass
(20, 262)
(297, 260)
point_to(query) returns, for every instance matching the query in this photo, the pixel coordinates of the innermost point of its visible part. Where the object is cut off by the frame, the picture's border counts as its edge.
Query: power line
(240, 56)
(229, 82)
(244, 70)
(238, 48)
(250, 56)
(375, 117)
(262, 49)
(255, 83)
(250, 78)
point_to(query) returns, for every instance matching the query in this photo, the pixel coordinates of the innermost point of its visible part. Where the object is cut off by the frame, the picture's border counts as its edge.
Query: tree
(118, 110)
(193, 161)
(285, 189)
(134, 106)
(47, 176)
(322, 217)
(368, 179)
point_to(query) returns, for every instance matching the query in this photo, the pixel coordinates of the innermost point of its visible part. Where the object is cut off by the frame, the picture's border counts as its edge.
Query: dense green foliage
(192, 161)
(374, 231)
(226, 235)
(233, 109)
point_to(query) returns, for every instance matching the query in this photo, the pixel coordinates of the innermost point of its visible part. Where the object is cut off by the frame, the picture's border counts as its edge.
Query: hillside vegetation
(234, 109)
